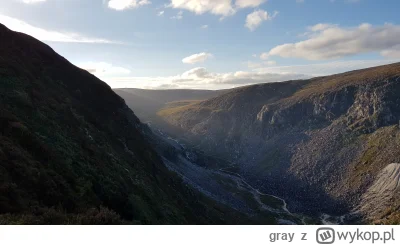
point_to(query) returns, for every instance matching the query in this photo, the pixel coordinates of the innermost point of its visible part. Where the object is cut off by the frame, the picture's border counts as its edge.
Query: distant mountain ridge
(146, 103)
(321, 141)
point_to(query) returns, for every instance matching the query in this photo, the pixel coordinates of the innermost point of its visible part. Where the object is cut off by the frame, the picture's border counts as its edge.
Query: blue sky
(211, 44)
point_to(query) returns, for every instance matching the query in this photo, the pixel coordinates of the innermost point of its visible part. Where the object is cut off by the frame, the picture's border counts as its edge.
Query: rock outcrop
(320, 141)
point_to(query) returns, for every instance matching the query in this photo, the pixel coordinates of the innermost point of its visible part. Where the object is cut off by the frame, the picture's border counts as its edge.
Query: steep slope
(384, 192)
(320, 142)
(228, 117)
(72, 152)
(209, 175)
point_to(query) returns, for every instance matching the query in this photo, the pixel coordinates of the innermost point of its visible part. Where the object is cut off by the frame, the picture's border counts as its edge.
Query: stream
(217, 183)
(256, 193)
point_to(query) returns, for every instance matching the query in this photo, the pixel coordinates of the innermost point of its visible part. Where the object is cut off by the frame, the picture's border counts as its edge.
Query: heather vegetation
(72, 152)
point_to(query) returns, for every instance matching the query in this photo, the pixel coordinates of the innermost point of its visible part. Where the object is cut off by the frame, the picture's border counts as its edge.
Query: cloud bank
(326, 41)
(201, 78)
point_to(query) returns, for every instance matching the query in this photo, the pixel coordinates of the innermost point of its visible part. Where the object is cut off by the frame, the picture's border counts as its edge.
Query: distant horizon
(240, 86)
(219, 44)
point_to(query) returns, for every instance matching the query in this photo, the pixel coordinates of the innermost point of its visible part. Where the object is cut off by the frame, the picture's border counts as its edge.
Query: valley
(319, 144)
(324, 150)
(228, 188)
(216, 179)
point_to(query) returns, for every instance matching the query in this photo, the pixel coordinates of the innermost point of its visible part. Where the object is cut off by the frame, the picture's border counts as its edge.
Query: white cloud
(46, 35)
(326, 41)
(249, 3)
(320, 27)
(254, 20)
(126, 4)
(216, 7)
(178, 16)
(198, 72)
(264, 56)
(102, 69)
(33, 1)
(204, 27)
(161, 13)
(196, 58)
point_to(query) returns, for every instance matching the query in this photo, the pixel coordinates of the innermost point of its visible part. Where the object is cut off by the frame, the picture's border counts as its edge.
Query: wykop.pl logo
(325, 235)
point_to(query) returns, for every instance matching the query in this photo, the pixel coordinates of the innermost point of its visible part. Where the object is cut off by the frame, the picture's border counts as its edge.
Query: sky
(211, 44)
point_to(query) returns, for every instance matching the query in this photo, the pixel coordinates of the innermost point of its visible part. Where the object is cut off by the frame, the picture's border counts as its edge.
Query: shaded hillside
(72, 152)
(319, 142)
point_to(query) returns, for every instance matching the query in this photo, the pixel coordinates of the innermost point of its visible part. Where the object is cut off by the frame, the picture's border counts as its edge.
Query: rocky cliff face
(320, 141)
(383, 195)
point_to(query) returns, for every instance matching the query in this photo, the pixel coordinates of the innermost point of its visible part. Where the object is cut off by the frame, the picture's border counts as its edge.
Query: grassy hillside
(72, 152)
